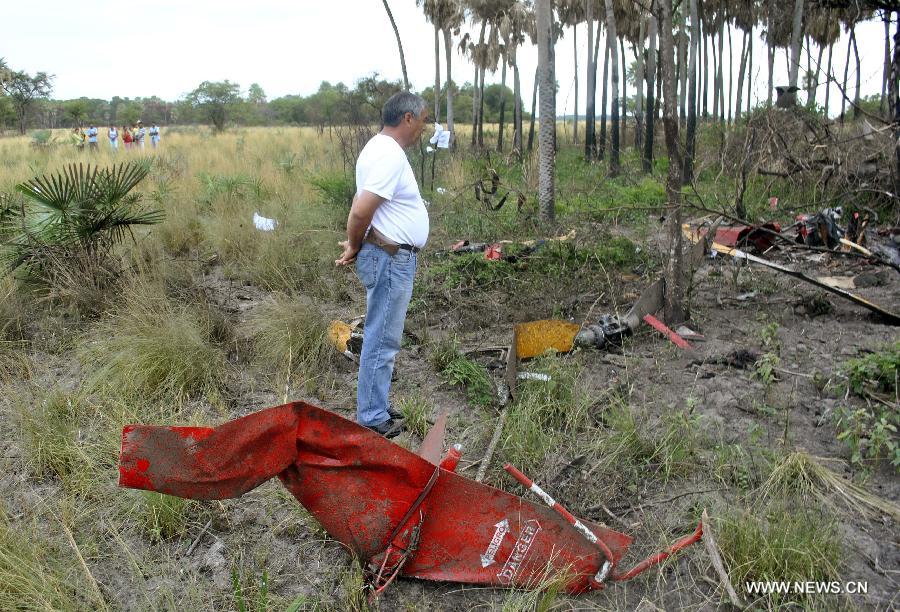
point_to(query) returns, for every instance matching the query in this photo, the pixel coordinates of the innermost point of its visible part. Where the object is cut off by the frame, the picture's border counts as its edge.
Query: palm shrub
(69, 224)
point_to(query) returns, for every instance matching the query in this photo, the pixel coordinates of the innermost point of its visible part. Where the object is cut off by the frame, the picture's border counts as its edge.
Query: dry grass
(805, 477)
(152, 347)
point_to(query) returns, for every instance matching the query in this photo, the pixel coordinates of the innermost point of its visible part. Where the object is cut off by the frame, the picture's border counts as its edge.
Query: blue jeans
(389, 283)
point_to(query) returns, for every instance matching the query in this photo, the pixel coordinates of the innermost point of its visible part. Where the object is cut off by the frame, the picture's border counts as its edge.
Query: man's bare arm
(361, 212)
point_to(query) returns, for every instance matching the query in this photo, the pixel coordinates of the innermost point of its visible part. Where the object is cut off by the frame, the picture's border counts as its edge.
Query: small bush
(336, 188)
(874, 372)
(473, 377)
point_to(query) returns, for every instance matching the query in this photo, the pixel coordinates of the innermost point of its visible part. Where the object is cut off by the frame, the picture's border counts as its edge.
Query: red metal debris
(404, 514)
(661, 328)
(758, 238)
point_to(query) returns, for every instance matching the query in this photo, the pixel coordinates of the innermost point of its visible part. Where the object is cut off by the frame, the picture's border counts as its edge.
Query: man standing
(113, 134)
(139, 134)
(154, 135)
(387, 226)
(92, 137)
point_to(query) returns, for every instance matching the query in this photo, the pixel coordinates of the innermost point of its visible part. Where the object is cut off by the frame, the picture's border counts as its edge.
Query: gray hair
(398, 105)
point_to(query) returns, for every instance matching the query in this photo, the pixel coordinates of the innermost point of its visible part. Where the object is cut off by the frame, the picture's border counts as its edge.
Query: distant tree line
(219, 104)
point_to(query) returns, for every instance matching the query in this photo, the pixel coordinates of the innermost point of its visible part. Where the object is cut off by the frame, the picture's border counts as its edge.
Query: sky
(106, 48)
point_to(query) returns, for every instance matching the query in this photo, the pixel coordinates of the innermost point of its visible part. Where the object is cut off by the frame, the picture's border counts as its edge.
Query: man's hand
(348, 256)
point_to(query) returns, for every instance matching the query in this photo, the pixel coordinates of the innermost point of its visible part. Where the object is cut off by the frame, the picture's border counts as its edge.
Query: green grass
(473, 377)
(51, 436)
(874, 372)
(36, 574)
(783, 544)
(545, 416)
(163, 516)
(290, 341)
(416, 411)
(153, 347)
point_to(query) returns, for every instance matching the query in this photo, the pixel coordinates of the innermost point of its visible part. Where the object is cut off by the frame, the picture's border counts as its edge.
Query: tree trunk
(675, 311)
(688, 174)
(828, 80)
(683, 67)
(750, 79)
(811, 96)
(623, 122)
(547, 161)
(887, 63)
(720, 78)
(601, 147)
(475, 89)
(856, 96)
(846, 74)
(730, 72)
(437, 74)
(399, 45)
(715, 70)
(639, 86)
(705, 95)
(740, 82)
(796, 38)
(448, 48)
(575, 58)
(502, 104)
(537, 73)
(770, 47)
(647, 162)
(517, 111)
(481, 107)
(894, 103)
(590, 118)
(614, 62)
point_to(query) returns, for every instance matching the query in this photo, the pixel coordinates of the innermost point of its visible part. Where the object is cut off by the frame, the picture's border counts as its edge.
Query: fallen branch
(713, 550)
(91, 580)
(198, 538)
(486, 460)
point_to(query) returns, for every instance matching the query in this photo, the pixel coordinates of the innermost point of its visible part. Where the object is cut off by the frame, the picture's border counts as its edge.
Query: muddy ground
(817, 332)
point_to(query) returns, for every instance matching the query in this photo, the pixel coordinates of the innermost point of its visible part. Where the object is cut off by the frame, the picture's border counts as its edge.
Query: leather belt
(389, 247)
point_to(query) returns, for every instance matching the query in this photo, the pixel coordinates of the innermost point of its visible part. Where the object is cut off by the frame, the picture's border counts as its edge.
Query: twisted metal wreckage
(405, 514)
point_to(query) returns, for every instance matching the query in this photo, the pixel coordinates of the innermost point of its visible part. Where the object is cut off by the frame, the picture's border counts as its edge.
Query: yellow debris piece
(535, 337)
(339, 335)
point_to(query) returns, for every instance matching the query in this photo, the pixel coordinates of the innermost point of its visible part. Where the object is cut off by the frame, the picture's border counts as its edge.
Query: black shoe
(389, 429)
(395, 414)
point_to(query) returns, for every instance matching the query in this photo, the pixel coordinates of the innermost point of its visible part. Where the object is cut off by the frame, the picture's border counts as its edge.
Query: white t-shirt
(382, 169)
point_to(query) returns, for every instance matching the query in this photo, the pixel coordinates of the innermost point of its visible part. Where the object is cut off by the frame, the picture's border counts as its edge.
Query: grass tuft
(788, 544)
(153, 347)
(290, 340)
(802, 475)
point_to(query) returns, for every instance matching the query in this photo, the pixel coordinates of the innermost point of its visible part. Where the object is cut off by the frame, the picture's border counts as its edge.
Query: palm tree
(571, 13)
(590, 142)
(674, 286)
(796, 39)
(647, 162)
(547, 162)
(514, 25)
(399, 44)
(443, 15)
(614, 61)
(688, 174)
(75, 218)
